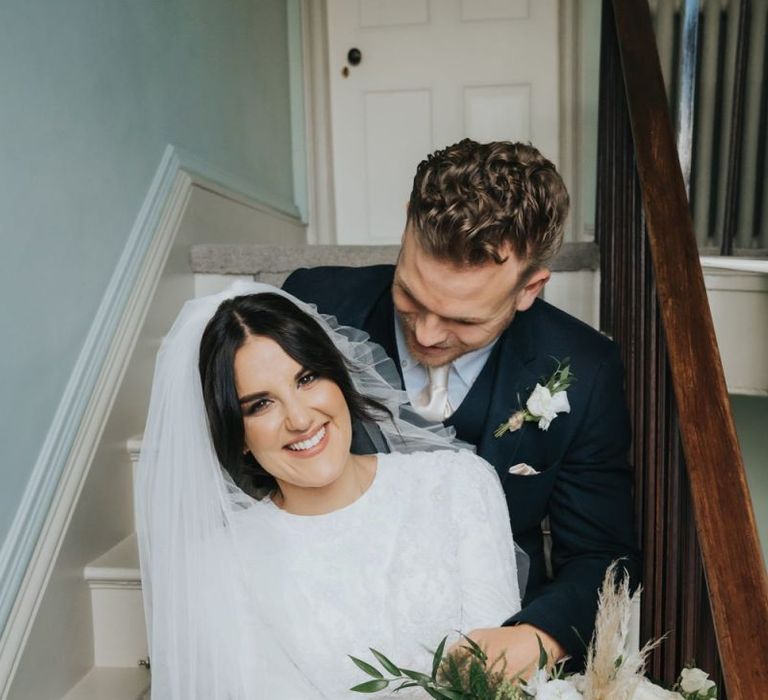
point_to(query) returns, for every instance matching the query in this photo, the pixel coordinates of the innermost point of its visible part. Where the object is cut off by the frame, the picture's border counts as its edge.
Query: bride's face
(297, 425)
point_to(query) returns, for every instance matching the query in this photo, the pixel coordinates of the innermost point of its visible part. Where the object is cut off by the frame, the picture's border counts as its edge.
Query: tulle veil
(201, 645)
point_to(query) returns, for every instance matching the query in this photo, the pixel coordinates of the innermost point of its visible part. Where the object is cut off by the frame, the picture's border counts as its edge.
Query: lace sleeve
(487, 566)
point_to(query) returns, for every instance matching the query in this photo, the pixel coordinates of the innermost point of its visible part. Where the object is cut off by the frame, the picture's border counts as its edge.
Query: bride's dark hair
(301, 337)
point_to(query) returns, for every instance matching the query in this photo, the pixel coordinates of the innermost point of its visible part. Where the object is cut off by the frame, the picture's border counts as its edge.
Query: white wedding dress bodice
(427, 550)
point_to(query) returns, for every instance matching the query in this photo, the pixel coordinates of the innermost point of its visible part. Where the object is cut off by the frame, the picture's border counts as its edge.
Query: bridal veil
(186, 506)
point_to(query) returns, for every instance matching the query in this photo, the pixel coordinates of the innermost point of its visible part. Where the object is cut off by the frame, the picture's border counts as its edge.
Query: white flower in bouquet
(537, 681)
(645, 690)
(558, 689)
(577, 681)
(694, 680)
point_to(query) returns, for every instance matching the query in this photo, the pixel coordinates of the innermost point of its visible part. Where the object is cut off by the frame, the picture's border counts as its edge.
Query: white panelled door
(431, 72)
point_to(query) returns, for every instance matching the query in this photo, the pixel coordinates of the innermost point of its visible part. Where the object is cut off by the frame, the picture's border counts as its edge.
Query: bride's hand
(518, 644)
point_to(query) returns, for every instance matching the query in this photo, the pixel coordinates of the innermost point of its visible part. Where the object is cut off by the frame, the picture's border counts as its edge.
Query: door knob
(354, 56)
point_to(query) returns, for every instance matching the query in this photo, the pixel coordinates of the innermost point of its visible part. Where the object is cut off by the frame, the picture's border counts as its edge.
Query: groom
(461, 317)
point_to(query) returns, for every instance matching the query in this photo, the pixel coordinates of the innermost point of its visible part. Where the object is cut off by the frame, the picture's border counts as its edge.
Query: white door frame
(321, 209)
(570, 98)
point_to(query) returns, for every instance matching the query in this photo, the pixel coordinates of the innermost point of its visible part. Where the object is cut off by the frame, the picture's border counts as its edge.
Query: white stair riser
(119, 630)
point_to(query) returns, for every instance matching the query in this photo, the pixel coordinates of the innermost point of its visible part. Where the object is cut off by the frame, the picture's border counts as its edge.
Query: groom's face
(448, 310)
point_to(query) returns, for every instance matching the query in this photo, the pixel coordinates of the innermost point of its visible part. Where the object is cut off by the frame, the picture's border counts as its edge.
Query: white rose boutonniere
(544, 403)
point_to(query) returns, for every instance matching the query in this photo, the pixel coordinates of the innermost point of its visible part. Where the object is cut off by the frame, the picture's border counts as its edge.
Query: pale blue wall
(91, 93)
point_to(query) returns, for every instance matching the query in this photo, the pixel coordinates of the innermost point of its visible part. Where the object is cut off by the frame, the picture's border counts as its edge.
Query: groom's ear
(532, 288)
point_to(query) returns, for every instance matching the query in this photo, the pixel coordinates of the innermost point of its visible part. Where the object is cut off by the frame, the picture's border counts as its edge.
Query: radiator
(713, 117)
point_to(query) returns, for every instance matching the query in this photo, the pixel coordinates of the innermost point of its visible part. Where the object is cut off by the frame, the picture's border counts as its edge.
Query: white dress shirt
(463, 373)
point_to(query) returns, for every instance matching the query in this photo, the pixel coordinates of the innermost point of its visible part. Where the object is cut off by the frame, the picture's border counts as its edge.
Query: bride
(269, 551)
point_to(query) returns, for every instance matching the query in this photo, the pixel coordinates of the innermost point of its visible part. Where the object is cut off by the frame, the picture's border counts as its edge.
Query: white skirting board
(188, 202)
(112, 684)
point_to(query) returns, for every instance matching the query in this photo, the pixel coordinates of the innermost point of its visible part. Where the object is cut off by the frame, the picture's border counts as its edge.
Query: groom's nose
(429, 330)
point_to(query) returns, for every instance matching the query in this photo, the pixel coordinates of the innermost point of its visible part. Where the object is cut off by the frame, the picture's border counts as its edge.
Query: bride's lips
(315, 449)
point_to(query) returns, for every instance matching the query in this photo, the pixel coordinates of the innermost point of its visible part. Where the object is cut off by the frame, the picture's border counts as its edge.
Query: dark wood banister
(727, 534)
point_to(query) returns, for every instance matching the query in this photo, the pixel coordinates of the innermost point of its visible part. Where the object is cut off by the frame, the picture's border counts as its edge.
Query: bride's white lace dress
(425, 551)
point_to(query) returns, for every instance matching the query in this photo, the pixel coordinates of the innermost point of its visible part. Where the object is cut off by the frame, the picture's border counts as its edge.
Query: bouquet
(612, 671)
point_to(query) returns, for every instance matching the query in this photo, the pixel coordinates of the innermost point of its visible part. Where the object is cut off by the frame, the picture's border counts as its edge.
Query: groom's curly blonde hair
(471, 202)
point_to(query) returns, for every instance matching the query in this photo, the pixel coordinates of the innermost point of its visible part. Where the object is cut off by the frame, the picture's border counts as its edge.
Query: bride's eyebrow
(248, 398)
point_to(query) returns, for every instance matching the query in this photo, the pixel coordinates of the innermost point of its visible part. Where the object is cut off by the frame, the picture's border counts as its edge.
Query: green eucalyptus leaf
(543, 656)
(373, 686)
(438, 657)
(370, 670)
(386, 663)
(421, 678)
(449, 694)
(407, 684)
(474, 649)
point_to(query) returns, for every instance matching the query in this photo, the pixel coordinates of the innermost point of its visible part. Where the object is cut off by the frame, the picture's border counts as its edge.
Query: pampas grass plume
(613, 670)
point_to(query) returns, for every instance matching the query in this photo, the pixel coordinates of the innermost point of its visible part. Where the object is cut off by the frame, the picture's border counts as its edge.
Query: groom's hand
(519, 644)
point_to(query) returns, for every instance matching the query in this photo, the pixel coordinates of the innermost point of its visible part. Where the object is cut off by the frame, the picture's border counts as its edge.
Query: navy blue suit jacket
(584, 484)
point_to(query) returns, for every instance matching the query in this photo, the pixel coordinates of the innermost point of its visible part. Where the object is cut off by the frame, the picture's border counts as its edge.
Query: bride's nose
(298, 417)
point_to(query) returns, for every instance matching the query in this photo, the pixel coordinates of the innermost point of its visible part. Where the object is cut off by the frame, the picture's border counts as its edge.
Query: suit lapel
(512, 385)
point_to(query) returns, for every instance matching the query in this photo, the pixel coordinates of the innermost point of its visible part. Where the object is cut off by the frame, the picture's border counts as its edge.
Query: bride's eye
(256, 407)
(307, 378)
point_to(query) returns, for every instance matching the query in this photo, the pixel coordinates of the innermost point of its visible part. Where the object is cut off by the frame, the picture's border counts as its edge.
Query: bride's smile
(298, 428)
(306, 447)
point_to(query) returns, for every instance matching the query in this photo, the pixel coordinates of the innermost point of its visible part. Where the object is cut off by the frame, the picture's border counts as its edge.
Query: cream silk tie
(432, 401)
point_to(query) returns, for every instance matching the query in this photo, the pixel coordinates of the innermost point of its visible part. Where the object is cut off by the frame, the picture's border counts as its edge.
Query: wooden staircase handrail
(725, 522)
